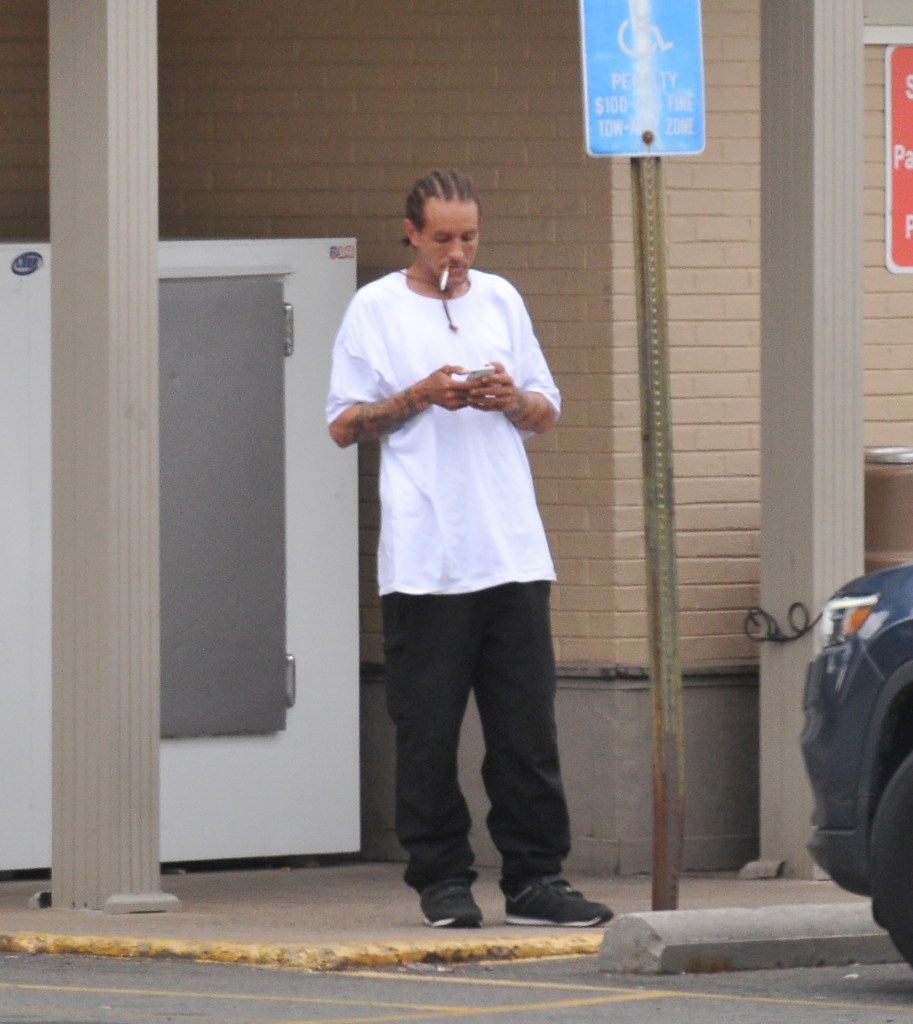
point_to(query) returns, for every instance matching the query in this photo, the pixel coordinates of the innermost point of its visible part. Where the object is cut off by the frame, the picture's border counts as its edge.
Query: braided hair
(438, 184)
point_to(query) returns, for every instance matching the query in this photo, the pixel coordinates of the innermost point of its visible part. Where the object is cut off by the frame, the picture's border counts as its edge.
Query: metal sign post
(643, 97)
(659, 530)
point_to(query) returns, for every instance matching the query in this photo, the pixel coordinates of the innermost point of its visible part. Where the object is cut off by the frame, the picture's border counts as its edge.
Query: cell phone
(483, 371)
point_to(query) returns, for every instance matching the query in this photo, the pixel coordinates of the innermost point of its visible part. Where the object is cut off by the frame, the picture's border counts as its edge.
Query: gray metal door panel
(222, 506)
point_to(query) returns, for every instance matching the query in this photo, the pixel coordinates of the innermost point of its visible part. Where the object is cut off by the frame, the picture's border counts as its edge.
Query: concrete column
(104, 236)
(811, 366)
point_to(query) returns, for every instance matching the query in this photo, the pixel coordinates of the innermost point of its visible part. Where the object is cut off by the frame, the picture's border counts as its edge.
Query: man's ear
(412, 232)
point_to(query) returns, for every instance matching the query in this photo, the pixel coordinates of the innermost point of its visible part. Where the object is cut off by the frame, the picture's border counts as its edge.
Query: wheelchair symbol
(637, 35)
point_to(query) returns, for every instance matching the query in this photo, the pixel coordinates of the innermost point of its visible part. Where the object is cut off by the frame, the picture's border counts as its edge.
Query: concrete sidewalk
(361, 915)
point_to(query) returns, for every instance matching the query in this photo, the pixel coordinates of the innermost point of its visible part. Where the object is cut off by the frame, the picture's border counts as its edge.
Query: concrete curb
(732, 939)
(324, 957)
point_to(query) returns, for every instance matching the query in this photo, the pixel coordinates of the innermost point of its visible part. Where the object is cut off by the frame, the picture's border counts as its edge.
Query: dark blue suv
(858, 745)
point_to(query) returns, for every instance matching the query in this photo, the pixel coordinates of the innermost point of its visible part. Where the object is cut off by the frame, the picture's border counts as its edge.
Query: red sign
(899, 140)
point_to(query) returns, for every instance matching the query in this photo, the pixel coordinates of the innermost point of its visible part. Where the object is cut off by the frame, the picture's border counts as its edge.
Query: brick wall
(312, 119)
(713, 233)
(299, 117)
(295, 126)
(23, 120)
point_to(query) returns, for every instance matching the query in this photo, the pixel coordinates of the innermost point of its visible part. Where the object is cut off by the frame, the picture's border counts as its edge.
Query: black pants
(496, 643)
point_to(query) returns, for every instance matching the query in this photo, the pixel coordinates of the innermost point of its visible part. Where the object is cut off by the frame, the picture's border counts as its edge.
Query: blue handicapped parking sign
(643, 77)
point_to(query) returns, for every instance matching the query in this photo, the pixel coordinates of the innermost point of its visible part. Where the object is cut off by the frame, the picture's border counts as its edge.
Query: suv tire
(892, 860)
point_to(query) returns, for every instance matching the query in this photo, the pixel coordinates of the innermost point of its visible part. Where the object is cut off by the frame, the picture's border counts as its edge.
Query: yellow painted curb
(306, 957)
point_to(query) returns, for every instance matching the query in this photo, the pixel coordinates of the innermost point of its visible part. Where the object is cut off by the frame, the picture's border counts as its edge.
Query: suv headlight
(841, 617)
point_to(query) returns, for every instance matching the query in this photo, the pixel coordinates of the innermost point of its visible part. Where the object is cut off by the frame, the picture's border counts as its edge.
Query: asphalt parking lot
(42, 989)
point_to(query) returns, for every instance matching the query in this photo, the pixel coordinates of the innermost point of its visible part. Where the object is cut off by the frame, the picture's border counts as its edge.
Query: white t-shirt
(458, 509)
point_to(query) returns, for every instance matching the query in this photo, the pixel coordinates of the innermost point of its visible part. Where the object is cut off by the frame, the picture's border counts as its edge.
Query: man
(440, 363)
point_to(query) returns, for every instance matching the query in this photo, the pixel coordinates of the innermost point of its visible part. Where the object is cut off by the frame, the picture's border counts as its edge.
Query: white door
(25, 556)
(293, 791)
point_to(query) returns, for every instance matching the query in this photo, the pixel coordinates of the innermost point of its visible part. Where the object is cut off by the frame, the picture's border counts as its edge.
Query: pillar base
(120, 903)
(141, 903)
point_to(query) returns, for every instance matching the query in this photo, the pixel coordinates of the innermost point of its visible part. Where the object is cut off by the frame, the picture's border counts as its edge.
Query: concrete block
(731, 939)
(762, 869)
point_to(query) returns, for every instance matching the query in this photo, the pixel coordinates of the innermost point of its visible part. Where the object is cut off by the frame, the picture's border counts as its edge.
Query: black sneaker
(553, 901)
(449, 904)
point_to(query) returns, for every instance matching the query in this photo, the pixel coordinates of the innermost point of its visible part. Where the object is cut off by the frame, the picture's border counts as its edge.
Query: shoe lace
(561, 887)
(450, 890)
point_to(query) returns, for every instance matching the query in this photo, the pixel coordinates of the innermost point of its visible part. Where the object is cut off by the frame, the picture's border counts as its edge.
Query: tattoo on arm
(374, 419)
(532, 412)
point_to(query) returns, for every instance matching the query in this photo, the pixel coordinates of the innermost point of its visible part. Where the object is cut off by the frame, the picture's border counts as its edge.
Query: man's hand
(527, 410)
(439, 388)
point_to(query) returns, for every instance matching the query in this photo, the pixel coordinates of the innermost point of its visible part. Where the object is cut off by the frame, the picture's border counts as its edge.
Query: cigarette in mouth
(445, 273)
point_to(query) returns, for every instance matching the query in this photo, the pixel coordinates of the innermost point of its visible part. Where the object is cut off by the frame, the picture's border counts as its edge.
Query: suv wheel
(892, 860)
